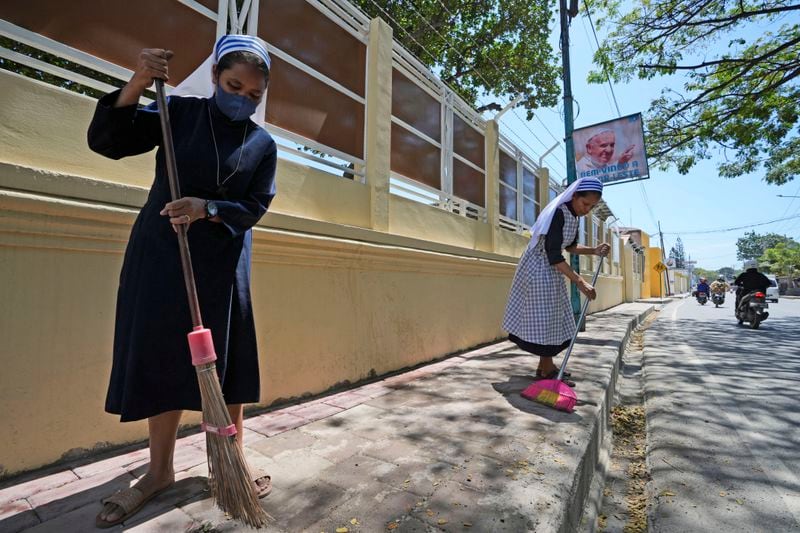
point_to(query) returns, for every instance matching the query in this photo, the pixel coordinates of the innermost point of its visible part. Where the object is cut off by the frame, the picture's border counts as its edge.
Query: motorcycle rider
(720, 286)
(703, 287)
(751, 280)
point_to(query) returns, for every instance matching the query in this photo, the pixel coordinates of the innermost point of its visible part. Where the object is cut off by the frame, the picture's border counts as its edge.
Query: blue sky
(698, 201)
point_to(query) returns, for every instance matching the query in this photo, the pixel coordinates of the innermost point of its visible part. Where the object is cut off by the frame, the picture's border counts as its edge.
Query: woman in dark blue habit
(226, 164)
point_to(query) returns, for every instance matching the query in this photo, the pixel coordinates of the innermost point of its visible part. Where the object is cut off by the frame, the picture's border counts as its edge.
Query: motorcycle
(718, 298)
(702, 298)
(752, 309)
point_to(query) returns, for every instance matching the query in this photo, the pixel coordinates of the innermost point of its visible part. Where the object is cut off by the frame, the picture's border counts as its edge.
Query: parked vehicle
(702, 298)
(752, 309)
(772, 290)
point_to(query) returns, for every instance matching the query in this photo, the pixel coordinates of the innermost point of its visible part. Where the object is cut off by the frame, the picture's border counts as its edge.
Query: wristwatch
(211, 209)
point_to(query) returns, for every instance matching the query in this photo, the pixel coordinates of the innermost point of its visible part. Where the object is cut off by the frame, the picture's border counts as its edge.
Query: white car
(772, 290)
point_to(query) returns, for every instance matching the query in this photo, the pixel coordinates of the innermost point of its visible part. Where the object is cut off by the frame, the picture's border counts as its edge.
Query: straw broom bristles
(229, 478)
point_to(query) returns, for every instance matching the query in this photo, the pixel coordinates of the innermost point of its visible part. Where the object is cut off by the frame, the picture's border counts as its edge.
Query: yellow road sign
(660, 267)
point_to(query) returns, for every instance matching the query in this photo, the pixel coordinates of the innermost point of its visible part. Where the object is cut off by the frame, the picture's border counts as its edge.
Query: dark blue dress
(152, 370)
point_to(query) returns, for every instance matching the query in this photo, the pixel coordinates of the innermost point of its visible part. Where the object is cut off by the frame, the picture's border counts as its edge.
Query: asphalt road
(723, 416)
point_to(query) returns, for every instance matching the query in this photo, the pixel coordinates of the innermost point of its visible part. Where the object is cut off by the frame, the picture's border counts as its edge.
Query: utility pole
(565, 15)
(664, 258)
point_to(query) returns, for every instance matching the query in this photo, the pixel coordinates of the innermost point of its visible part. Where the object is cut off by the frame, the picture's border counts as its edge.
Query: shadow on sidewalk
(76, 511)
(511, 390)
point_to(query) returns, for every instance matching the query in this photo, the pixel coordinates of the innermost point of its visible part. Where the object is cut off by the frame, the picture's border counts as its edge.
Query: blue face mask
(234, 106)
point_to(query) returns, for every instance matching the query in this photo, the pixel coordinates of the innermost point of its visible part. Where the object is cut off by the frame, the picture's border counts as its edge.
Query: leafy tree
(703, 273)
(783, 259)
(753, 245)
(728, 272)
(480, 46)
(678, 254)
(740, 61)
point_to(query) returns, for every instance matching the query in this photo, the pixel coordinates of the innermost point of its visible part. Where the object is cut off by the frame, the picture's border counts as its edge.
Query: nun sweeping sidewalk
(227, 166)
(539, 317)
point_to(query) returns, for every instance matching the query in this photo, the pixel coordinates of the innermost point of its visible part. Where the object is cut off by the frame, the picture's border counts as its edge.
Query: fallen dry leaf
(467, 524)
(442, 521)
(723, 493)
(392, 525)
(354, 521)
(740, 501)
(667, 493)
(342, 530)
(429, 512)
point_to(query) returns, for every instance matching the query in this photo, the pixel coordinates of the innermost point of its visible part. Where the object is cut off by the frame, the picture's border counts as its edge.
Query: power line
(724, 230)
(788, 207)
(605, 70)
(588, 39)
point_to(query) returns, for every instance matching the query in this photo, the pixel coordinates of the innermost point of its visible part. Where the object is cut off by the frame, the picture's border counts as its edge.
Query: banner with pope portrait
(613, 151)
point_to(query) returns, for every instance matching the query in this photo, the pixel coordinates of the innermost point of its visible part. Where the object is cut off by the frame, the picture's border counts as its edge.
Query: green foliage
(783, 259)
(678, 254)
(46, 77)
(753, 245)
(703, 273)
(728, 272)
(740, 61)
(495, 47)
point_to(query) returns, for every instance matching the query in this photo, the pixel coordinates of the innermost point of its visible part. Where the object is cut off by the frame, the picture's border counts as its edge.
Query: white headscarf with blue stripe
(200, 83)
(542, 224)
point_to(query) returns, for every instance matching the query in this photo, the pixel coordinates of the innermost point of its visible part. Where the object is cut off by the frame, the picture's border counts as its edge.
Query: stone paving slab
(449, 446)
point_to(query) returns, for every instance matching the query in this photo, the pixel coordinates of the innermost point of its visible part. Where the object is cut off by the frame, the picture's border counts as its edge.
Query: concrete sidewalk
(448, 446)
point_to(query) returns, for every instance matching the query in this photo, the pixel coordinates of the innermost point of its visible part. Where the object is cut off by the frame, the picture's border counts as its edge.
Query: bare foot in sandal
(124, 504)
(263, 486)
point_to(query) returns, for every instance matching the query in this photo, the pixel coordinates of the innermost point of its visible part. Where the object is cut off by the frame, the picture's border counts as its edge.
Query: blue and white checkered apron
(539, 309)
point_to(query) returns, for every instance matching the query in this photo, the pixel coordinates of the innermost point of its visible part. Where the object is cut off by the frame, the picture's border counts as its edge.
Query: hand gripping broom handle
(580, 321)
(172, 174)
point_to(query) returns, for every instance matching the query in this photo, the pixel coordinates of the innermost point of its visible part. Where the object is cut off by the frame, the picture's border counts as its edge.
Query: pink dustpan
(552, 392)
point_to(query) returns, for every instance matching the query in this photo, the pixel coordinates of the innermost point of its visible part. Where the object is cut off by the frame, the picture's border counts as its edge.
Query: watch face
(211, 207)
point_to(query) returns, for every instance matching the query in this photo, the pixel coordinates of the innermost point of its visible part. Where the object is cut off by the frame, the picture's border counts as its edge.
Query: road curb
(586, 495)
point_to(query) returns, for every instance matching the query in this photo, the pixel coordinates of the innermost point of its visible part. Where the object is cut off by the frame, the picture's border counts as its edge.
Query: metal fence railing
(438, 148)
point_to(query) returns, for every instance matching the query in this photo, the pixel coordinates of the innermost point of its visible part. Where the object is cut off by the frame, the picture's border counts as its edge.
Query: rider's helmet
(750, 263)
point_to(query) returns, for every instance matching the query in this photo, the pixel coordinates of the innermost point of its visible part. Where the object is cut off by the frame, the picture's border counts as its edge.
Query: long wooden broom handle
(578, 325)
(174, 188)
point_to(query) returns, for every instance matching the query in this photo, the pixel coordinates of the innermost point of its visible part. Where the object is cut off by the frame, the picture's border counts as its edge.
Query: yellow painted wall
(654, 280)
(328, 310)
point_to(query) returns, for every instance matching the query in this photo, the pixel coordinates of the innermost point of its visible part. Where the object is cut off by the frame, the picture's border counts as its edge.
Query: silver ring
(188, 218)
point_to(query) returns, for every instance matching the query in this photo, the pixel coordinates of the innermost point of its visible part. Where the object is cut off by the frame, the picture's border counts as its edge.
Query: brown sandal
(130, 500)
(263, 486)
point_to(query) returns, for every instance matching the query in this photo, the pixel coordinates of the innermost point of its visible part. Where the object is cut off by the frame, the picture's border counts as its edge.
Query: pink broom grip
(202, 346)
(227, 431)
